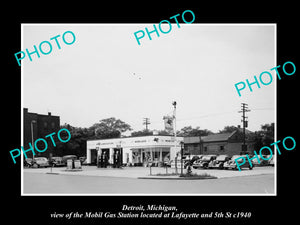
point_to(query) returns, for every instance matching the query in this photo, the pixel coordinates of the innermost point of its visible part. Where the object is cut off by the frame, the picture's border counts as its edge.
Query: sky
(105, 73)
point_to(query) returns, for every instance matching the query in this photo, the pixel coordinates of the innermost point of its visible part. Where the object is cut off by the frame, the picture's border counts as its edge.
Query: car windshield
(40, 159)
(221, 157)
(236, 156)
(206, 158)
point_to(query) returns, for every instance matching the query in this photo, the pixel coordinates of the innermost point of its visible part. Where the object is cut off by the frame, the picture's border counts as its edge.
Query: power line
(262, 109)
(206, 115)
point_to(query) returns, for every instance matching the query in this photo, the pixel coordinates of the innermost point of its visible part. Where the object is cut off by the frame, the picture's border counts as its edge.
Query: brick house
(218, 144)
(38, 126)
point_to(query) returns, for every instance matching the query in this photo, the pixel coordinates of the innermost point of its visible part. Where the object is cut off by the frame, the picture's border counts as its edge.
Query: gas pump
(100, 160)
(105, 159)
(117, 158)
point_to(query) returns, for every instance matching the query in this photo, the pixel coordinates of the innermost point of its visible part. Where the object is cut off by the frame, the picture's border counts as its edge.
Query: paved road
(42, 183)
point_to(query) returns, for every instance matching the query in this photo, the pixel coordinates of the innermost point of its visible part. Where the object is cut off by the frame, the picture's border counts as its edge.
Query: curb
(178, 178)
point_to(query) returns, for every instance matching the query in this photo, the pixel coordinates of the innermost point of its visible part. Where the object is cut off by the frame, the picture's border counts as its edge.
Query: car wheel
(35, 165)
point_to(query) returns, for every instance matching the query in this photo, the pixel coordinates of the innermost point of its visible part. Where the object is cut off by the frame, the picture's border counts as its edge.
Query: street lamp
(32, 122)
(181, 159)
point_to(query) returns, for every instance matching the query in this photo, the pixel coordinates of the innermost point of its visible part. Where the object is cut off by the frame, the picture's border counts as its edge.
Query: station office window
(221, 148)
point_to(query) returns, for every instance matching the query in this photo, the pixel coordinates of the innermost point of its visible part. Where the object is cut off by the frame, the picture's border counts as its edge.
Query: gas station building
(134, 150)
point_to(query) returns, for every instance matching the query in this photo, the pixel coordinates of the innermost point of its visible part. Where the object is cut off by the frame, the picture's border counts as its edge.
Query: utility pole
(146, 122)
(174, 129)
(174, 120)
(245, 124)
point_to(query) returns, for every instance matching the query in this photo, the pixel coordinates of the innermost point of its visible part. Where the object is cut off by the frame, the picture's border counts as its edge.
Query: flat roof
(135, 142)
(156, 135)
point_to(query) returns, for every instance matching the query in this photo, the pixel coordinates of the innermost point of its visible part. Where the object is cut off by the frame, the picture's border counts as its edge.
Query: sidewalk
(144, 173)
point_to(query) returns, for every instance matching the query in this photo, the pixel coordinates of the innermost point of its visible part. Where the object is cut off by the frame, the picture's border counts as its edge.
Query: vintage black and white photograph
(170, 109)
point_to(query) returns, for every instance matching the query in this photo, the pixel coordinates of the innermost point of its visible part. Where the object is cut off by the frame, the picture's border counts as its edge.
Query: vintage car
(231, 164)
(261, 161)
(82, 159)
(191, 159)
(271, 160)
(57, 161)
(28, 162)
(219, 162)
(40, 162)
(204, 161)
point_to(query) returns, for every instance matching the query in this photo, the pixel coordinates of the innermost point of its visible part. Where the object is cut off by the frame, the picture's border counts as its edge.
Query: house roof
(246, 130)
(214, 137)
(217, 137)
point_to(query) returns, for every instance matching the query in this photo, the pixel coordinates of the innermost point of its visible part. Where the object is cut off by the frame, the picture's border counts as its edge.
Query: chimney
(49, 113)
(239, 126)
(25, 110)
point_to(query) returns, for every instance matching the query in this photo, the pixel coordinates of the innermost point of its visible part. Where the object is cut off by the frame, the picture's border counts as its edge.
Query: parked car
(82, 159)
(261, 162)
(57, 161)
(191, 159)
(204, 161)
(27, 162)
(38, 162)
(84, 162)
(66, 157)
(271, 160)
(231, 164)
(219, 162)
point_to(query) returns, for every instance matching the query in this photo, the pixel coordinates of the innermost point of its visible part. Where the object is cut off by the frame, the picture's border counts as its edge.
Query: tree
(77, 143)
(141, 133)
(164, 132)
(267, 134)
(188, 131)
(228, 129)
(264, 137)
(109, 128)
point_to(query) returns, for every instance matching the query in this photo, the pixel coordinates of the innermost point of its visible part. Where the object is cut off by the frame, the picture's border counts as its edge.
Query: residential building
(218, 144)
(38, 126)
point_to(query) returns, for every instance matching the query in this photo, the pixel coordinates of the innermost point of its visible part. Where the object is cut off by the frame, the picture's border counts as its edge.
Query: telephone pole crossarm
(146, 121)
